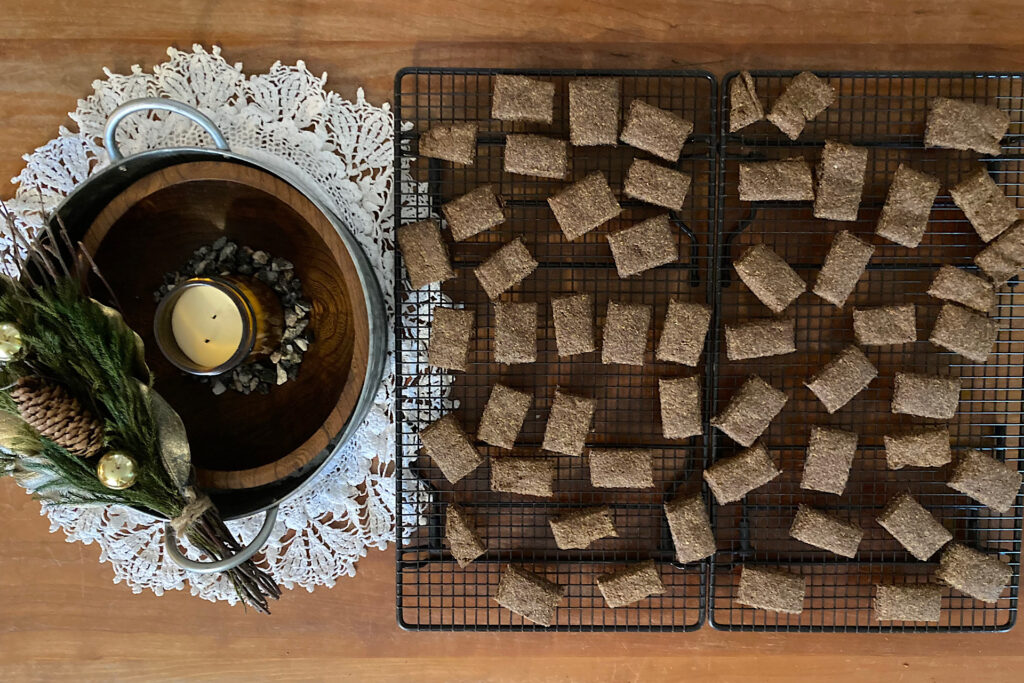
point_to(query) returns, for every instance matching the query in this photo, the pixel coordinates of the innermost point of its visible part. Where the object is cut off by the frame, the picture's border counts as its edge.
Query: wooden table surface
(60, 614)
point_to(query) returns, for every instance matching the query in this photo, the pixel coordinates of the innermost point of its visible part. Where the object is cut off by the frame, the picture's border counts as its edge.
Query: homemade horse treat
(926, 395)
(449, 447)
(885, 325)
(830, 455)
(526, 475)
(473, 213)
(771, 589)
(529, 595)
(425, 254)
(643, 246)
(583, 206)
(630, 584)
(568, 423)
(983, 202)
(654, 130)
(454, 142)
(959, 286)
(515, 332)
(910, 602)
(914, 527)
(690, 527)
(656, 184)
(518, 98)
(904, 217)
(625, 333)
(760, 338)
(1004, 256)
(842, 378)
(745, 108)
(536, 155)
(927, 447)
(977, 574)
(959, 124)
(682, 337)
(627, 468)
(579, 528)
(804, 98)
(966, 332)
(750, 411)
(465, 543)
(840, 181)
(734, 477)
(680, 407)
(845, 263)
(449, 338)
(826, 531)
(770, 278)
(986, 480)
(506, 268)
(594, 111)
(788, 180)
(503, 416)
(574, 324)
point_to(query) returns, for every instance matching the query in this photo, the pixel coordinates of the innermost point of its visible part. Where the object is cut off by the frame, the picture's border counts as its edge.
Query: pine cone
(58, 416)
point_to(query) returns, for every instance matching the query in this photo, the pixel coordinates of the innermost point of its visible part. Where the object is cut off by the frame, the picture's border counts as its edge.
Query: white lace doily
(344, 148)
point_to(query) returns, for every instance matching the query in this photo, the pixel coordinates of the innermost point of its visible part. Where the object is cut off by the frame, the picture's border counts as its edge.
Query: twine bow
(196, 506)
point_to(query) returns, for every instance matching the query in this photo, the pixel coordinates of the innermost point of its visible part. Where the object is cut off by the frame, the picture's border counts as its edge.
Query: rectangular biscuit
(690, 527)
(656, 184)
(788, 180)
(574, 324)
(529, 595)
(450, 331)
(503, 416)
(771, 589)
(518, 98)
(825, 531)
(908, 204)
(680, 407)
(769, 277)
(524, 475)
(830, 454)
(629, 468)
(453, 142)
(682, 336)
(925, 395)
(744, 106)
(473, 213)
(630, 584)
(913, 526)
(804, 98)
(424, 253)
(885, 325)
(750, 410)
(450, 448)
(579, 528)
(461, 536)
(845, 263)
(584, 205)
(926, 447)
(515, 332)
(986, 480)
(506, 268)
(730, 479)
(594, 111)
(568, 423)
(960, 124)
(1004, 256)
(975, 573)
(654, 130)
(841, 173)
(842, 378)
(909, 602)
(963, 331)
(760, 338)
(643, 246)
(625, 333)
(988, 209)
(536, 155)
(957, 285)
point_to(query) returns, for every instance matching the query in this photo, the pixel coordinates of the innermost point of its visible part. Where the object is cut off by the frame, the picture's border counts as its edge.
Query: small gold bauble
(11, 343)
(117, 470)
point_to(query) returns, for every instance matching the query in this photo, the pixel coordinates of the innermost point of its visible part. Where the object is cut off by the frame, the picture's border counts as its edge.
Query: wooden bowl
(152, 227)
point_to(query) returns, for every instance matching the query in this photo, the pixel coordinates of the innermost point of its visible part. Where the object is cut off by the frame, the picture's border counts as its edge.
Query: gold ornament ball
(117, 470)
(11, 343)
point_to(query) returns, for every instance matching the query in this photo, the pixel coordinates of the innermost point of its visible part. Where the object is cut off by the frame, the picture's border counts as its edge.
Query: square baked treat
(691, 531)
(734, 477)
(909, 602)
(680, 407)
(830, 455)
(885, 325)
(989, 481)
(576, 530)
(957, 285)
(594, 111)
(840, 181)
(788, 180)
(515, 332)
(643, 246)
(925, 395)
(908, 204)
(959, 124)
(826, 531)
(654, 130)
(529, 595)
(424, 253)
(771, 589)
(913, 526)
(503, 416)
(518, 98)
(583, 206)
(988, 209)
(682, 337)
(450, 331)
(1003, 257)
(524, 475)
(574, 324)
(568, 423)
(750, 410)
(629, 468)
(975, 573)
(769, 277)
(744, 106)
(630, 584)
(451, 450)
(926, 447)
(453, 142)
(472, 213)
(656, 184)
(804, 98)
(625, 333)
(845, 263)
(963, 331)
(506, 268)
(536, 155)
(461, 536)
(842, 378)
(760, 338)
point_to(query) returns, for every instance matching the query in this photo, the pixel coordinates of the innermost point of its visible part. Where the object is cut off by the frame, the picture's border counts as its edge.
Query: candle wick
(207, 341)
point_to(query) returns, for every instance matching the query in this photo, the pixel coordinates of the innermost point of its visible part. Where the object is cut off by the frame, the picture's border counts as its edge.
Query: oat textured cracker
(959, 286)
(750, 410)
(842, 378)
(463, 539)
(910, 602)
(682, 337)
(583, 206)
(926, 395)
(885, 325)
(451, 450)
(845, 263)
(1004, 256)
(914, 527)
(959, 124)
(988, 209)
(908, 204)
(924, 447)
(536, 155)
(787, 180)
(518, 98)
(455, 142)
(523, 475)
(473, 213)
(529, 595)
(804, 99)
(643, 246)
(621, 468)
(594, 111)
(515, 332)
(963, 331)
(680, 407)
(744, 106)
(690, 527)
(830, 454)
(506, 268)
(578, 529)
(977, 574)
(769, 277)
(730, 479)
(841, 173)
(630, 584)
(574, 324)
(503, 416)
(986, 480)
(424, 253)
(771, 589)
(568, 423)
(826, 531)
(656, 184)
(450, 332)
(760, 338)
(625, 333)
(654, 130)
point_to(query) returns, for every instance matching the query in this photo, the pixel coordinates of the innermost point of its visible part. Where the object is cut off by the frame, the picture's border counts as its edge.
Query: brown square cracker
(885, 325)
(750, 410)
(787, 180)
(625, 333)
(769, 277)
(630, 584)
(656, 184)
(576, 530)
(926, 447)
(979, 575)
(841, 173)
(682, 337)
(845, 263)
(472, 213)
(450, 331)
(760, 338)
(908, 204)
(957, 285)
(518, 98)
(828, 532)
(986, 480)
(536, 155)
(453, 142)
(425, 253)
(505, 268)
(574, 324)
(842, 378)
(568, 423)
(744, 106)
(503, 416)
(524, 475)
(730, 479)
(629, 468)
(680, 407)
(830, 454)
(691, 531)
(655, 130)
(988, 209)
(913, 526)
(643, 246)
(594, 111)
(925, 395)
(583, 206)
(804, 98)
(515, 332)
(450, 448)
(963, 331)
(529, 595)
(1004, 256)
(771, 589)
(960, 124)
(909, 602)
(461, 536)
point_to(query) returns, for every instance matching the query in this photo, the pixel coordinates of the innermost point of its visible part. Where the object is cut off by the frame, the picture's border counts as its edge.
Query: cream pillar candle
(207, 325)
